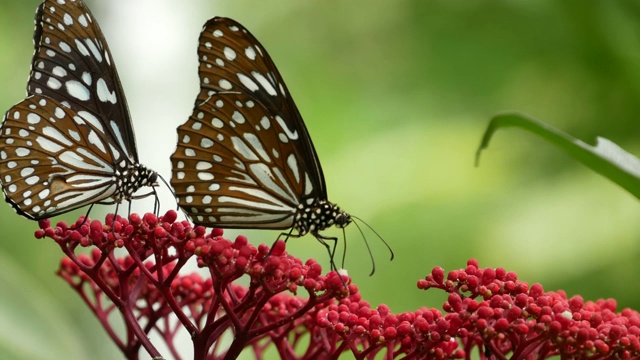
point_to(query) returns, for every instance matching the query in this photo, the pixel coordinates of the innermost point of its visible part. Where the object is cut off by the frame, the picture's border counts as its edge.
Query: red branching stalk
(489, 313)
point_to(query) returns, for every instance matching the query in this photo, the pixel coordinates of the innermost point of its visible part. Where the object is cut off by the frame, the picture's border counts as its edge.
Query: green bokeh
(396, 96)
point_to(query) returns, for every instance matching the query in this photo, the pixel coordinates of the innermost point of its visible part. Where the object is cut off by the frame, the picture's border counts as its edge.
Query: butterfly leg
(86, 216)
(286, 237)
(156, 202)
(331, 249)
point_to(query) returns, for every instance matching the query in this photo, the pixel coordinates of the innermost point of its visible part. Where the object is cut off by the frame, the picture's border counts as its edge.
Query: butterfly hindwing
(51, 159)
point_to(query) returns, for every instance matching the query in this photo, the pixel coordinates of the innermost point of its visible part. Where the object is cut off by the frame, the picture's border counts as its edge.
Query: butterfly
(244, 157)
(70, 143)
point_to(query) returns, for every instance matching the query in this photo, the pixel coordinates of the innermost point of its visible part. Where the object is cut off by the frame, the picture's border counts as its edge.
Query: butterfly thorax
(316, 215)
(131, 178)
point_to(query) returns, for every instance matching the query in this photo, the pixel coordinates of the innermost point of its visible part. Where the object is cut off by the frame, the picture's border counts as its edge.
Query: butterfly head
(341, 219)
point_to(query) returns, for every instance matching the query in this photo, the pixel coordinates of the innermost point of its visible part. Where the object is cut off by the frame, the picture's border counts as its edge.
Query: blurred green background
(396, 95)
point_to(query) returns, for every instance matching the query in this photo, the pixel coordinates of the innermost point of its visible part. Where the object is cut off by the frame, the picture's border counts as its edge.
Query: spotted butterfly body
(244, 157)
(70, 143)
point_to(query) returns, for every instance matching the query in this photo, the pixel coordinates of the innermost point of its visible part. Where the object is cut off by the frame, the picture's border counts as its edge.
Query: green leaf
(605, 158)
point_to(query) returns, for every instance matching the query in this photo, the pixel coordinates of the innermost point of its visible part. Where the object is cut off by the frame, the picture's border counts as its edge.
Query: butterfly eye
(244, 157)
(70, 143)
(342, 220)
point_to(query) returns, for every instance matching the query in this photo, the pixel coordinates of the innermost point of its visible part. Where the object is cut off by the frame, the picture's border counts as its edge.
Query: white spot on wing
(26, 171)
(64, 47)
(81, 48)
(68, 20)
(203, 165)
(94, 50)
(103, 92)
(206, 143)
(292, 162)
(59, 113)
(54, 133)
(205, 176)
(90, 118)
(247, 82)
(229, 53)
(217, 123)
(238, 117)
(94, 139)
(32, 180)
(255, 142)
(266, 177)
(83, 20)
(48, 145)
(77, 90)
(243, 149)
(293, 135)
(54, 83)
(264, 83)
(308, 187)
(33, 118)
(86, 77)
(265, 122)
(119, 139)
(59, 71)
(225, 84)
(250, 52)
(44, 194)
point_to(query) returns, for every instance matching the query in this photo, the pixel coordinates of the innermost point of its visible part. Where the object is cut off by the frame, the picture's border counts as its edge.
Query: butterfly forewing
(44, 162)
(232, 60)
(73, 65)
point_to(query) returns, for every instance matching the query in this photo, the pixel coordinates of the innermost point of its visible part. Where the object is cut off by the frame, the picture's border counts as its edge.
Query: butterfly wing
(72, 64)
(227, 171)
(244, 157)
(71, 142)
(52, 160)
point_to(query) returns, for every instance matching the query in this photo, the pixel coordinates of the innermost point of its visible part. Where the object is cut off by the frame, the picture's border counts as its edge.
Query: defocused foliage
(396, 95)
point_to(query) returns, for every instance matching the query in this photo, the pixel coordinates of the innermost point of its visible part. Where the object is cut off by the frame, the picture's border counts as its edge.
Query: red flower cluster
(488, 312)
(491, 309)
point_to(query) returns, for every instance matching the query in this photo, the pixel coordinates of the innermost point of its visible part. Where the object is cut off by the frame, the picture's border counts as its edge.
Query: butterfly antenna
(373, 262)
(378, 235)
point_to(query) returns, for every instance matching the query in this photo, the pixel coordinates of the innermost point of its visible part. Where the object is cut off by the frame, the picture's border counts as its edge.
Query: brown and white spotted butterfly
(245, 158)
(70, 143)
